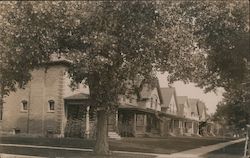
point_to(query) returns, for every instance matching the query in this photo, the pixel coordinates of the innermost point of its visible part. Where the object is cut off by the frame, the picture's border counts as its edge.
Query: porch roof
(146, 110)
(78, 96)
(136, 108)
(78, 99)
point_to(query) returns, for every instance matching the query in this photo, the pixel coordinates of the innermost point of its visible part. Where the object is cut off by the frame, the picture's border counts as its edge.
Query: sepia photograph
(125, 79)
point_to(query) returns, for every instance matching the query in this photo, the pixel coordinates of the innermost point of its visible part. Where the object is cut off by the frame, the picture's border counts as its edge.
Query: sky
(210, 99)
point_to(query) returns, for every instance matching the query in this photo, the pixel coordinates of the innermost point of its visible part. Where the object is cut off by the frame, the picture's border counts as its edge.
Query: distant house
(202, 111)
(169, 101)
(206, 125)
(193, 103)
(170, 107)
(184, 106)
(189, 123)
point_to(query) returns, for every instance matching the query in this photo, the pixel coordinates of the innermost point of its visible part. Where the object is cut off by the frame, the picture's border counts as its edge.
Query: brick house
(39, 108)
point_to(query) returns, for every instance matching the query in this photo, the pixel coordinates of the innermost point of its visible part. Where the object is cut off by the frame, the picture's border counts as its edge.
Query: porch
(80, 117)
(137, 122)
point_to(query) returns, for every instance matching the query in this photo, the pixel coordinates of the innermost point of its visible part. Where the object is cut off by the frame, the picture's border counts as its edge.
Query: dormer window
(24, 106)
(51, 106)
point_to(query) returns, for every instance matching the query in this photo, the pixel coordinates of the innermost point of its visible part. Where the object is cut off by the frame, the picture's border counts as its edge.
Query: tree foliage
(223, 33)
(234, 111)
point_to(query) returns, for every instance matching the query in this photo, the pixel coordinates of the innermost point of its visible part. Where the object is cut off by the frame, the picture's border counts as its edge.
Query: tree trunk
(102, 145)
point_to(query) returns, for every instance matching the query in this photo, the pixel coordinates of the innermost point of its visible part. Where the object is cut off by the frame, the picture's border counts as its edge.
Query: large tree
(114, 47)
(117, 46)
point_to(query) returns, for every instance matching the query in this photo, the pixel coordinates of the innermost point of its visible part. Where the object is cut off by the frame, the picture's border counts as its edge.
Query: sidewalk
(193, 153)
(198, 152)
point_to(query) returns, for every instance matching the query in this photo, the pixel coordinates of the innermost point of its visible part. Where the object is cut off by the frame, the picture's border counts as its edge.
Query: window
(24, 105)
(151, 102)
(51, 105)
(156, 103)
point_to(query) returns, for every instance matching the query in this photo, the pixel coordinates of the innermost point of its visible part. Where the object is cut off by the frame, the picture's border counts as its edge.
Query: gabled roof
(146, 91)
(181, 101)
(181, 109)
(193, 103)
(167, 94)
(201, 107)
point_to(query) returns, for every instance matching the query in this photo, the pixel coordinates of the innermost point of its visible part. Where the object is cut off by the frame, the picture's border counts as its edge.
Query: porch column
(134, 124)
(198, 129)
(180, 125)
(145, 122)
(192, 127)
(87, 123)
(116, 120)
(173, 125)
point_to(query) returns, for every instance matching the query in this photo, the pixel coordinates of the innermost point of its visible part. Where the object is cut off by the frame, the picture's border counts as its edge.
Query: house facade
(49, 107)
(39, 108)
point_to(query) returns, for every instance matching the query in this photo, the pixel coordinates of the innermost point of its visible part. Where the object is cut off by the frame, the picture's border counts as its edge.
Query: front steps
(114, 135)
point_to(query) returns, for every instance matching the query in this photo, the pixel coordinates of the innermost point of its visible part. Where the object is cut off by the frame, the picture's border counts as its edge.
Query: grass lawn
(164, 145)
(231, 151)
(62, 153)
(145, 145)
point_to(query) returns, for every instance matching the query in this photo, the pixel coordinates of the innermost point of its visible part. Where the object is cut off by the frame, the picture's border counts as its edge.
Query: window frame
(49, 106)
(23, 104)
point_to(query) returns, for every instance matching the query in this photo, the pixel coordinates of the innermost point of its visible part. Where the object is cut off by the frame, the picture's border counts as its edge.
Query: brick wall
(38, 120)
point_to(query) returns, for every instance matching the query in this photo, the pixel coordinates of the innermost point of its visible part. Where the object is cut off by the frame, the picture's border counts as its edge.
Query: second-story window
(51, 105)
(24, 106)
